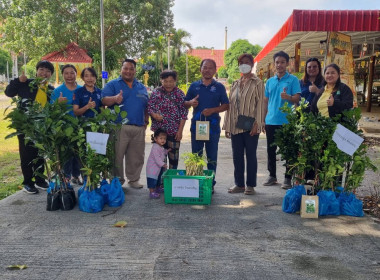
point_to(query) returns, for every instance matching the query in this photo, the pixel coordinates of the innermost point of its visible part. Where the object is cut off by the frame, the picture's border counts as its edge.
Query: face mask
(245, 68)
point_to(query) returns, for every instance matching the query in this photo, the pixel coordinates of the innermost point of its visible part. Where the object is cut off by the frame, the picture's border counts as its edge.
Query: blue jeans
(211, 150)
(243, 143)
(154, 183)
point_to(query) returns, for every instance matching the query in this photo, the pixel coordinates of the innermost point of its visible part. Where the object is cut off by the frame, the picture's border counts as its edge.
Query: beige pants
(130, 146)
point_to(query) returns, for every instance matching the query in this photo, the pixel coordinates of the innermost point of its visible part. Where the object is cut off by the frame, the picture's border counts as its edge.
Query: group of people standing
(167, 106)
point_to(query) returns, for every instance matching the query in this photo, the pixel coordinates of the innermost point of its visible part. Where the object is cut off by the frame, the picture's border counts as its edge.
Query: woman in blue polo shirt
(311, 83)
(64, 93)
(87, 97)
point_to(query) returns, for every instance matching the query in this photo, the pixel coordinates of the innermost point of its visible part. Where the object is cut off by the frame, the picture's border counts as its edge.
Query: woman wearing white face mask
(243, 123)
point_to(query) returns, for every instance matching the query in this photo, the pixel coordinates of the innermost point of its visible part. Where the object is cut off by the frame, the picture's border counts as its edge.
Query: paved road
(236, 237)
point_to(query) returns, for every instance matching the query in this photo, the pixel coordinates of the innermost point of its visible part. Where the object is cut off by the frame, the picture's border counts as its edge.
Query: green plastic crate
(204, 183)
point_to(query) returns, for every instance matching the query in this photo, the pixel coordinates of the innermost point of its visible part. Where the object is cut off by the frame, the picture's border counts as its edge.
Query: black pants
(30, 162)
(173, 155)
(244, 143)
(271, 151)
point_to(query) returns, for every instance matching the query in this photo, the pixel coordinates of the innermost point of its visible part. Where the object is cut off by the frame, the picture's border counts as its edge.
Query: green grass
(10, 174)
(10, 171)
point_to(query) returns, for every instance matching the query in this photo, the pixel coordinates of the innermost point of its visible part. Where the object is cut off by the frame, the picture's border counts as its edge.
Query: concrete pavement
(236, 237)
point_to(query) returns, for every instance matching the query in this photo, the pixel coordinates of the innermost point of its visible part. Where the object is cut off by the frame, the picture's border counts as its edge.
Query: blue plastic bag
(338, 191)
(116, 195)
(328, 203)
(104, 190)
(91, 201)
(350, 205)
(292, 199)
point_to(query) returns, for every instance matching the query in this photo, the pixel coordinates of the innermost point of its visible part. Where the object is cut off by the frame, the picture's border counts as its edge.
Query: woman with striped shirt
(246, 98)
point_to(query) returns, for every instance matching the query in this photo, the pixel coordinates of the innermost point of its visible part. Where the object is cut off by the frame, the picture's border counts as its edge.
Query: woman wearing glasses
(311, 83)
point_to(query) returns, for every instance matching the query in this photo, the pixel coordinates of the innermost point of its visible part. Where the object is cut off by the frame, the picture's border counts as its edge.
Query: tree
(194, 63)
(202, 48)
(4, 58)
(38, 27)
(222, 72)
(236, 49)
(158, 45)
(178, 43)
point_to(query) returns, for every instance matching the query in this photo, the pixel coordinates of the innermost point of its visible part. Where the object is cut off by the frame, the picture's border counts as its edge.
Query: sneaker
(310, 182)
(154, 195)
(42, 185)
(287, 184)
(30, 189)
(135, 184)
(76, 181)
(270, 181)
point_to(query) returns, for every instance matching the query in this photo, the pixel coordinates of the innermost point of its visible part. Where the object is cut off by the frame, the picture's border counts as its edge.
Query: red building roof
(217, 55)
(72, 53)
(323, 21)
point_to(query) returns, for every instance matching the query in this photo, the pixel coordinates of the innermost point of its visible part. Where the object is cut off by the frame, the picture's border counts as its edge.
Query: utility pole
(102, 40)
(169, 35)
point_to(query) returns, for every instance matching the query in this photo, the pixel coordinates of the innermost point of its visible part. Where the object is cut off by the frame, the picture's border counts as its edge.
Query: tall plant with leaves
(50, 128)
(97, 166)
(306, 144)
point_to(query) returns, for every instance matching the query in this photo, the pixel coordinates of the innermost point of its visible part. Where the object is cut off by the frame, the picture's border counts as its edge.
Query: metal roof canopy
(309, 27)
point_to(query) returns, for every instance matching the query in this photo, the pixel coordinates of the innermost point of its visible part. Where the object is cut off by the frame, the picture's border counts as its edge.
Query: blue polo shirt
(273, 89)
(82, 96)
(65, 93)
(210, 96)
(135, 99)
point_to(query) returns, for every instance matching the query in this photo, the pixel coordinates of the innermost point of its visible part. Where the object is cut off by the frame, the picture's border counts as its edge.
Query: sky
(255, 20)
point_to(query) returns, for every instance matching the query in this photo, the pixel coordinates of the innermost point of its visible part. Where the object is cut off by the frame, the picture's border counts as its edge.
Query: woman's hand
(178, 136)
(227, 134)
(157, 117)
(330, 101)
(254, 130)
(62, 99)
(313, 88)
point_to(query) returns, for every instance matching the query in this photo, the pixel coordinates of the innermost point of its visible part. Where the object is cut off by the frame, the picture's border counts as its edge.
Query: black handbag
(244, 122)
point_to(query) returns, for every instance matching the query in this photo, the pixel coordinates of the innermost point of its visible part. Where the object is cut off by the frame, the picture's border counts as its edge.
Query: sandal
(160, 189)
(249, 190)
(236, 189)
(154, 195)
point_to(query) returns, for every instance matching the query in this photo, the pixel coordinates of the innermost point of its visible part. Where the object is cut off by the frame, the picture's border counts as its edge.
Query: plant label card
(346, 140)
(202, 130)
(185, 188)
(97, 141)
(309, 206)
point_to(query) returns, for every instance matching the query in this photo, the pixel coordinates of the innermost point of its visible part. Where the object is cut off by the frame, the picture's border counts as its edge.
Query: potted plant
(97, 168)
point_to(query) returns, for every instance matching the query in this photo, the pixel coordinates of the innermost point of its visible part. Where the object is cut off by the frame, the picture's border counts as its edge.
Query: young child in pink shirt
(156, 164)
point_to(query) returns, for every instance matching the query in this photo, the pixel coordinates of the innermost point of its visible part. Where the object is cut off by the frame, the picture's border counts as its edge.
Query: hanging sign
(346, 140)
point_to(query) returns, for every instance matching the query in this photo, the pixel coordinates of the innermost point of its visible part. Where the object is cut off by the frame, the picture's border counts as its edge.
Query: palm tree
(178, 42)
(158, 45)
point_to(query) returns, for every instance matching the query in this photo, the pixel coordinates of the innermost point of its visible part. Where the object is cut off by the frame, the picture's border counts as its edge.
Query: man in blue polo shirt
(208, 98)
(281, 88)
(132, 96)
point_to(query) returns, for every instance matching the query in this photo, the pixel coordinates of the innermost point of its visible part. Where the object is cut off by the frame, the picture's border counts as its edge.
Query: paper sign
(97, 141)
(185, 188)
(346, 140)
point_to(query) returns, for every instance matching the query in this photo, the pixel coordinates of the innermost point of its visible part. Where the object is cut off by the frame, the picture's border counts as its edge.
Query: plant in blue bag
(91, 201)
(104, 190)
(350, 205)
(292, 199)
(116, 195)
(328, 203)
